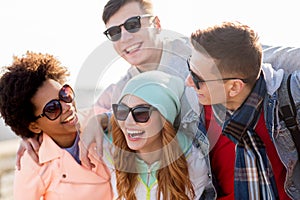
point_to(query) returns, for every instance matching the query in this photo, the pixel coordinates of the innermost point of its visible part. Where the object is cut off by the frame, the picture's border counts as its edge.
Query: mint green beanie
(161, 90)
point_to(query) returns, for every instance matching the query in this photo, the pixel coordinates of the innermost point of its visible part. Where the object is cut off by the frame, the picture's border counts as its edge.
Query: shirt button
(64, 176)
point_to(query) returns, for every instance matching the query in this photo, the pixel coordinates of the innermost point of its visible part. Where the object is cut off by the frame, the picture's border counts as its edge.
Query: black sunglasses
(53, 108)
(140, 113)
(132, 25)
(199, 81)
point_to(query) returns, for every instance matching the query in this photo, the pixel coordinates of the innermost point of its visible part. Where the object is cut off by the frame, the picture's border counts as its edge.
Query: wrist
(103, 119)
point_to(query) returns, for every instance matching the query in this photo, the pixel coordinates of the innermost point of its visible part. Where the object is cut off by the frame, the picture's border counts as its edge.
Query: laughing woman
(33, 102)
(150, 158)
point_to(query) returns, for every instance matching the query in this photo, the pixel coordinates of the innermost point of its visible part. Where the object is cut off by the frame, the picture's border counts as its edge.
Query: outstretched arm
(92, 129)
(93, 133)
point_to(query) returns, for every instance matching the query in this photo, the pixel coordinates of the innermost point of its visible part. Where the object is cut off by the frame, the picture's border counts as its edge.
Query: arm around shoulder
(282, 57)
(28, 183)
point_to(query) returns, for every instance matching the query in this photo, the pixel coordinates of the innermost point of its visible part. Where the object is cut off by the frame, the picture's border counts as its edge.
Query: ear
(33, 127)
(236, 87)
(156, 23)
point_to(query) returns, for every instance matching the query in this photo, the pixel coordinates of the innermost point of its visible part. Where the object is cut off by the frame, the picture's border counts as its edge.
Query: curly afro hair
(18, 85)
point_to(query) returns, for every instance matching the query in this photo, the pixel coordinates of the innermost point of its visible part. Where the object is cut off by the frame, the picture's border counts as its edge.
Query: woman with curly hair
(35, 103)
(150, 159)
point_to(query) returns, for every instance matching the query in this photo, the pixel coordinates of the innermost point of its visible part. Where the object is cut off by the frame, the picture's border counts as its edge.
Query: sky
(71, 30)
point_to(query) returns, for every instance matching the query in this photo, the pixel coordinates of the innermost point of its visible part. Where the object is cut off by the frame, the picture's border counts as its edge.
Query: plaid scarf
(253, 176)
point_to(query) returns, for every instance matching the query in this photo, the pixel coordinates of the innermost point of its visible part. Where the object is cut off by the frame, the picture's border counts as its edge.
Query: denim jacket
(288, 59)
(277, 129)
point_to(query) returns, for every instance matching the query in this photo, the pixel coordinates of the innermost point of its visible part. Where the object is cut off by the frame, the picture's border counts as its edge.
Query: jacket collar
(49, 150)
(69, 168)
(272, 77)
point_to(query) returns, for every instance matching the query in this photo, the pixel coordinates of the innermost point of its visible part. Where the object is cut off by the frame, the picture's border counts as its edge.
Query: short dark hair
(112, 6)
(234, 46)
(20, 82)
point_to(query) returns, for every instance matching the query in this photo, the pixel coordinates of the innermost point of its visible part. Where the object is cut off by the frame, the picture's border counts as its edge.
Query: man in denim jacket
(252, 153)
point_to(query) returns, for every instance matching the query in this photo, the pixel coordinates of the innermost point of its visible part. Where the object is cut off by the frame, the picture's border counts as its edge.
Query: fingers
(32, 146)
(85, 161)
(20, 153)
(40, 138)
(87, 137)
(90, 134)
(103, 119)
(99, 143)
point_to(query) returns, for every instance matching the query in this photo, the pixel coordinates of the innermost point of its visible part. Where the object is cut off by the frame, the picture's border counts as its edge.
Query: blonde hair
(173, 177)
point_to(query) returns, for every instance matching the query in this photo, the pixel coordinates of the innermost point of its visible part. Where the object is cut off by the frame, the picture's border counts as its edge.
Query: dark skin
(32, 145)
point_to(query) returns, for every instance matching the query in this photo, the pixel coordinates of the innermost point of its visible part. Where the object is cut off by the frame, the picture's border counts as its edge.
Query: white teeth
(133, 47)
(134, 134)
(70, 118)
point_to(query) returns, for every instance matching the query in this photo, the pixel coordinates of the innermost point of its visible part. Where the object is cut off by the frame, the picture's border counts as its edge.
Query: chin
(134, 148)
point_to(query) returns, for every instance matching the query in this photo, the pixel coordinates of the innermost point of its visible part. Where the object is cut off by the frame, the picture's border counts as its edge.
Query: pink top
(60, 177)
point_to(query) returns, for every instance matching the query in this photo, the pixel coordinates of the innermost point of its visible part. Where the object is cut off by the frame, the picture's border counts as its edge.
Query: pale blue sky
(72, 29)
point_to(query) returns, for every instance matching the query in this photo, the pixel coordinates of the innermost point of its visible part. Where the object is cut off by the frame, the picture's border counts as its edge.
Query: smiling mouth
(133, 48)
(134, 134)
(70, 119)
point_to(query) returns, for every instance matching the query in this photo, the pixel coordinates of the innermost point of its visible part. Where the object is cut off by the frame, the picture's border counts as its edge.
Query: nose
(125, 35)
(129, 119)
(189, 82)
(66, 106)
